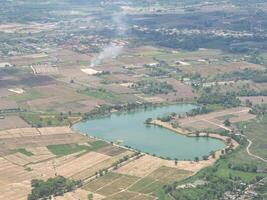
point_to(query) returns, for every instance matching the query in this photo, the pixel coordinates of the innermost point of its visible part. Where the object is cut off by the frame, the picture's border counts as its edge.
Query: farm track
(251, 154)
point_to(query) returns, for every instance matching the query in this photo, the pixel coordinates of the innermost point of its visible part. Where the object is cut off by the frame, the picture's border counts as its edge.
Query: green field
(121, 186)
(66, 149)
(44, 120)
(24, 151)
(256, 131)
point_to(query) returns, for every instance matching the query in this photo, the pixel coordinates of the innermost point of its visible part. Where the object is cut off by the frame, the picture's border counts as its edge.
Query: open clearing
(9, 122)
(214, 120)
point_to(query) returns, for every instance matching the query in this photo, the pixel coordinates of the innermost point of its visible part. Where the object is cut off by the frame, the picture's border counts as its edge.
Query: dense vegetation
(52, 187)
(247, 74)
(154, 87)
(227, 100)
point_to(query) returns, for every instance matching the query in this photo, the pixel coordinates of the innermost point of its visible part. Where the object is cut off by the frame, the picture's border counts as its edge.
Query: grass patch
(225, 117)
(31, 94)
(119, 184)
(66, 149)
(101, 94)
(24, 151)
(102, 181)
(256, 131)
(38, 120)
(137, 187)
(97, 145)
(168, 174)
(28, 169)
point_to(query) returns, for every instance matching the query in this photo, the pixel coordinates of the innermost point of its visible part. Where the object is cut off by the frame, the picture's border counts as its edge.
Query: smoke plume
(112, 50)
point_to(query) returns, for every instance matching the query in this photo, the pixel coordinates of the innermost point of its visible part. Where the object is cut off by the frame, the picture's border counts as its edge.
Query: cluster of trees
(104, 110)
(167, 117)
(117, 163)
(193, 42)
(250, 92)
(243, 167)
(199, 111)
(214, 188)
(52, 187)
(247, 74)
(227, 100)
(259, 110)
(125, 158)
(154, 87)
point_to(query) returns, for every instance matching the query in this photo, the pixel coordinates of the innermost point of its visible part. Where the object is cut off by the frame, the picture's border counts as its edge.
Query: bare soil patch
(9, 122)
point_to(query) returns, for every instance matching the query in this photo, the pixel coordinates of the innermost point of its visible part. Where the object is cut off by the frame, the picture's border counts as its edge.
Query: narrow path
(251, 154)
(219, 125)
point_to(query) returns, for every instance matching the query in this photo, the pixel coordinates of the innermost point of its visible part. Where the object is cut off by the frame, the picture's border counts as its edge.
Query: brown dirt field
(168, 174)
(254, 99)
(201, 125)
(15, 191)
(101, 182)
(211, 69)
(210, 120)
(154, 99)
(79, 106)
(143, 197)
(81, 163)
(100, 165)
(24, 138)
(24, 61)
(10, 122)
(122, 196)
(10, 172)
(148, 164)
(4, 92)
(120, 78)
(118, 89)
(112, 67)
(79, 194)
(45, 69)
(142, 166)
(183, 90)
(54, 96)
(111, 150)
(37, 141)
(117, 186)
(17, 159)
(40, 154)
(47, 168)
(68, 57)
(6, 105)
(15, 179)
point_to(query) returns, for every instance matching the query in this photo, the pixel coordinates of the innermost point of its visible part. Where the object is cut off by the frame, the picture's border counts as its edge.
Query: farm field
(133, 99)
(120, 186)
(32, 153)
(10, 122)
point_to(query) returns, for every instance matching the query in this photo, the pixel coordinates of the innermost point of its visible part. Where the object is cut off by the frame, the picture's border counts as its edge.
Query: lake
(129, 128)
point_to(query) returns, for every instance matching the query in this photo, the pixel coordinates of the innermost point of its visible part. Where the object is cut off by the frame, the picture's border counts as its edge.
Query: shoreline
(182, 131)
(186, 133)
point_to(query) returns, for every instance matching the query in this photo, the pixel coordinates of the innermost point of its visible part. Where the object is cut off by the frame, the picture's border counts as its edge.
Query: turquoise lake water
(130, 128)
